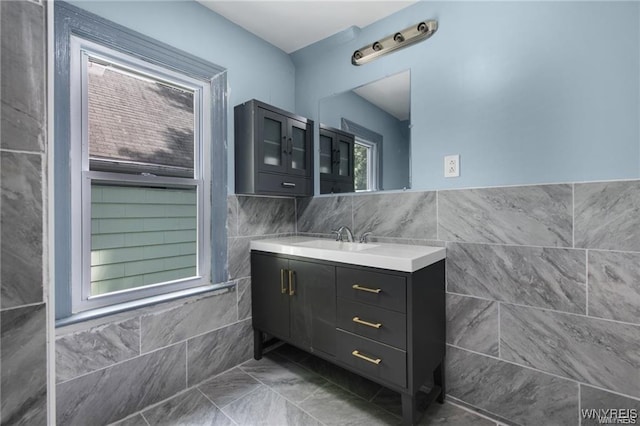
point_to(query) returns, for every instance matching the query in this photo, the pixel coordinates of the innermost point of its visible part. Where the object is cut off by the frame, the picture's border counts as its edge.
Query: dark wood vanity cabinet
(294, 300)
(336, 160)
(273, 151)
(387, 326)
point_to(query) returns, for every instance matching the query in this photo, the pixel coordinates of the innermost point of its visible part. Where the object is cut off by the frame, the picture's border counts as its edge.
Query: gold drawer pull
(370, 290)
(357, 354)
(367, 323)
(292, 277)
(283, 288)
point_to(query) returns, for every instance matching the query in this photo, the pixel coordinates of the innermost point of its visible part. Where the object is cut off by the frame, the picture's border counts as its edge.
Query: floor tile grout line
(145, 419)
(376, 394)
(285, 398)
(239, 397)
(216, 406)
(333, 382)
(155, 404)
(475, 412)
(247, 394)
(469, 410)
(329, 380)
(313, 393)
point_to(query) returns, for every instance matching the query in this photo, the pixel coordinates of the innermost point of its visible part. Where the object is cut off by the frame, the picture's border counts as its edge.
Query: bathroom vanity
(375, 309)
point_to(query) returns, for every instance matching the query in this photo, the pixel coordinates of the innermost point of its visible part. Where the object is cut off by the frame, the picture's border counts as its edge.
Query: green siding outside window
(141, 236)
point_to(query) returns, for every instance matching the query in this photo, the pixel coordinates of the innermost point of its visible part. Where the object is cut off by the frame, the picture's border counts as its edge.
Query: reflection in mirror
(378, 115)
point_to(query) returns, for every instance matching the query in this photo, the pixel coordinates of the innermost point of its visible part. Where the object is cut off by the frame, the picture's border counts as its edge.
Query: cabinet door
(272, 141)
(313, 306)
(344, 150)
(327, 153)
(270, 295)
(299, 148)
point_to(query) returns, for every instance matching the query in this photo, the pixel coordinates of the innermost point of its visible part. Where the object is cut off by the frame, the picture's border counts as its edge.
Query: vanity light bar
(404, 38)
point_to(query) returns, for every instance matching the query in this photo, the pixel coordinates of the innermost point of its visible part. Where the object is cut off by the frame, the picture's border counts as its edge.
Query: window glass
(141, 236)
(361, 167)
(138, 122)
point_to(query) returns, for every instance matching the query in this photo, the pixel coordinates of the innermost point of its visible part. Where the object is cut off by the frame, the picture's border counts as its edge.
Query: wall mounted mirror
(378, 114)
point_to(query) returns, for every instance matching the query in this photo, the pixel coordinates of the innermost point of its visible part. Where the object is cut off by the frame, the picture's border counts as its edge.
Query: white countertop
(397, 257)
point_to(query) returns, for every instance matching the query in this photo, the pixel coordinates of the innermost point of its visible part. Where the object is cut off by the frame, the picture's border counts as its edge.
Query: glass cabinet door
(298, 148)
(299, 153)
(344, 149)
(326, 154)
(273, 141)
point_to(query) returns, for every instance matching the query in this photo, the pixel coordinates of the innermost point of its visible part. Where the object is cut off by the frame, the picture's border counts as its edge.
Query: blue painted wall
(525, 92)
(255, 68)
(395, 141)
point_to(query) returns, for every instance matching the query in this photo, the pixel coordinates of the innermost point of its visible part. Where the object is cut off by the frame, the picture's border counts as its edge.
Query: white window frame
(372, 163)
(82, 177)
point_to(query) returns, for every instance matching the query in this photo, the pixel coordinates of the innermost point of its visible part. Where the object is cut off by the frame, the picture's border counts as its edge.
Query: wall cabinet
(387, 326)
(273, 151)
(336, 160)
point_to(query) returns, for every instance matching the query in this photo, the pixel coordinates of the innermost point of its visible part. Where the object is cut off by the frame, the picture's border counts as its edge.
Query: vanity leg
(409, 409)
(257, 344)
(438, 380)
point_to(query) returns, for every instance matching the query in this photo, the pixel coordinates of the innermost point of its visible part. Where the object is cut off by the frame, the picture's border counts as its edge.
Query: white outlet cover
(452, 166)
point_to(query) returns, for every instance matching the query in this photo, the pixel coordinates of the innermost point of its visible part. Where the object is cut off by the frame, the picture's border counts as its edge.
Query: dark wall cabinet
(336, 160)
(273, 151)
(388, 326)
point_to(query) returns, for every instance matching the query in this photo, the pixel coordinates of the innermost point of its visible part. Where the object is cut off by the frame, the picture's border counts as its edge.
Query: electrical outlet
(452, 166)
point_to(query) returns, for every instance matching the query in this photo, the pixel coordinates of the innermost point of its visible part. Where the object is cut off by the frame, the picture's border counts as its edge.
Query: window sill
(134, 308)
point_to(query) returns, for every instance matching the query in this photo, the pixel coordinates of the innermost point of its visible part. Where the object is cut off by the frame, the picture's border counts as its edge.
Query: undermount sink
(397, 257)
(336, 245)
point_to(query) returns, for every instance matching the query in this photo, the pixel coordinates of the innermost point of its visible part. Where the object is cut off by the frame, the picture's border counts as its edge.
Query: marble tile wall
(23, 307)
(543, 289)
(161, 350)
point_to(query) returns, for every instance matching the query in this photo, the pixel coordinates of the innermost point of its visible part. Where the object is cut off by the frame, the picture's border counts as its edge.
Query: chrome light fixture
(404, 38)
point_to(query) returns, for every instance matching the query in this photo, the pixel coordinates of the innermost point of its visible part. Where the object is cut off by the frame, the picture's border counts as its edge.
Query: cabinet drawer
(373, 358)
(375, 323)
(281, 184)
(373, 288)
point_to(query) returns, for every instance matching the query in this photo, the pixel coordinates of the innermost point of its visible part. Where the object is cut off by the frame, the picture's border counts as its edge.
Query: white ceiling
(292, 25)
(391, 94)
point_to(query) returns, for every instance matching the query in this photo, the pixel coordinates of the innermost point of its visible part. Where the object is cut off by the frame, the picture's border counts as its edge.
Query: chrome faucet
(348, 231)
(363, 237)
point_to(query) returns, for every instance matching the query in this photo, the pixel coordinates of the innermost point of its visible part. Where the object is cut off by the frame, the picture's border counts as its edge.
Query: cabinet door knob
(367, 323)
(357, 354)
(367, 289)
(288, 185)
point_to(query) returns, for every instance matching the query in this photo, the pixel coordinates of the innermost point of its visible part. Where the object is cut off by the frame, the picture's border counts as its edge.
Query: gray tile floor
(291, 387)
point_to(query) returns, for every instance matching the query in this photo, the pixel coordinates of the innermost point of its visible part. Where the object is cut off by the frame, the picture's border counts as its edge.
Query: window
(140, 173)
(365, 155)
(139, 170)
